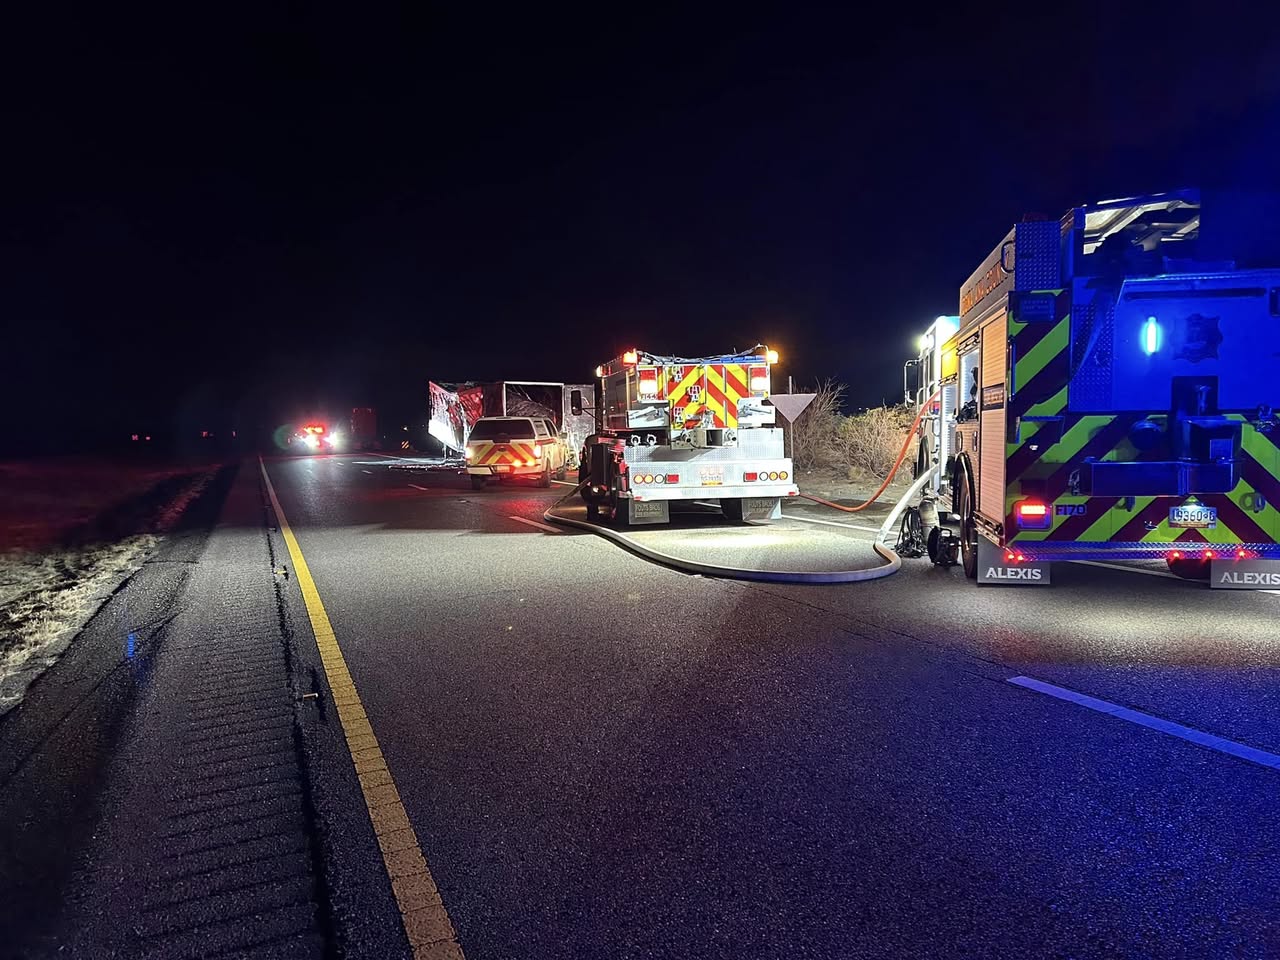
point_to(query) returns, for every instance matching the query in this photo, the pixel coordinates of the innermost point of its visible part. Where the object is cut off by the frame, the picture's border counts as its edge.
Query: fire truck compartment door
(1224, 327)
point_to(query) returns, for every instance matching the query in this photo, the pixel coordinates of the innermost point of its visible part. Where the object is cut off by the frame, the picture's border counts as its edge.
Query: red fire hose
(887, 480)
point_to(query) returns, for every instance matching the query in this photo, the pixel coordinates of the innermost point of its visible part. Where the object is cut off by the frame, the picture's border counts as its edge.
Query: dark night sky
(281, 208)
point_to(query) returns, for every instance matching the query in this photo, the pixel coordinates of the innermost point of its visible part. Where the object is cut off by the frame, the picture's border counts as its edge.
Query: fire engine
(1108, 391)
(674, 428)
(316, 437)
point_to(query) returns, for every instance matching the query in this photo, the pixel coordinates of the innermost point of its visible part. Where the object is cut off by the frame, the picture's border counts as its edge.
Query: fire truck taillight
(673, 478)
(537, 450)
(1032, 515)
(749, 477)
(648, 382)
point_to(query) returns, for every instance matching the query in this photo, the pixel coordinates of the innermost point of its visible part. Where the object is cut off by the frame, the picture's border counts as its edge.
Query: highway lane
(606, 758)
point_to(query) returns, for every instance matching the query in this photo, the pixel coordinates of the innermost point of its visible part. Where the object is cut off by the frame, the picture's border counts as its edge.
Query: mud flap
(1244, 573)
(761, 508)
(993, 568)
(647, 511)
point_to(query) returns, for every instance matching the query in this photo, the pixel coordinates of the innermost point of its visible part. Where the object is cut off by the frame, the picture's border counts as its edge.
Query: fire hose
(892, 562)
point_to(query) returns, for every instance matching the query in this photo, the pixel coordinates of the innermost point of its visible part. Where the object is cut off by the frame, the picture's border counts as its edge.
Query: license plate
(503, 469)
(713, 483)
(1193, 517)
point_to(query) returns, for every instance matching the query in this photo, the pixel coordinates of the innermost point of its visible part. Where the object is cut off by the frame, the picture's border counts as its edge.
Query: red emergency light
(648, 382)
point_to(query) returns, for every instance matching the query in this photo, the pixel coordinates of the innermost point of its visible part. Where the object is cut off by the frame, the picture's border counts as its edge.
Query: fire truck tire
(731, 507)
(968, 529)
(478, 483)
(621, 517)
(1188, 568)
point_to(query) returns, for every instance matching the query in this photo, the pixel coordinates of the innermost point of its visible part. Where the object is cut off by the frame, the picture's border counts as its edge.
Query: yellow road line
(426, 922)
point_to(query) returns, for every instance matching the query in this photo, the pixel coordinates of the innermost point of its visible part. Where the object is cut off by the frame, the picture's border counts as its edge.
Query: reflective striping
(1037, 358)
(1199, 737)
(716, 386)
(426, 922)
(516, 453)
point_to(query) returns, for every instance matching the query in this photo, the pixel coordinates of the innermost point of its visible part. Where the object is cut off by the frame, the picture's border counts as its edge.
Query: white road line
(535, 523)
(832, 523)
(416, 487)
(1190, 734)
(370, 472)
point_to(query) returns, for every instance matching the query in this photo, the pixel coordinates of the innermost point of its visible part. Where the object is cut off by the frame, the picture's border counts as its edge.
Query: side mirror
(575, 402)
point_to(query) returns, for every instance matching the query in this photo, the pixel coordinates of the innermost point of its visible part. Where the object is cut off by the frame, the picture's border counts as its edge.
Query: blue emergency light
(1151, 336)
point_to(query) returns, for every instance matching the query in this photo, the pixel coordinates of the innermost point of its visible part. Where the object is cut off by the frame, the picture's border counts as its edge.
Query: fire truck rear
(1108, 391)
(672, 428)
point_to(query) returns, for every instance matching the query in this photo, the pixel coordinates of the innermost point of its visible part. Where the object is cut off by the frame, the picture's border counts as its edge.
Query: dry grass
(48, 594)
(859, 446)
(813, 435)
(46, 599)
(868, 443)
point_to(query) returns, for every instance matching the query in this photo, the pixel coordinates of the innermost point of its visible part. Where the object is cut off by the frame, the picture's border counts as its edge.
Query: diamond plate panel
(754, 444)
(1092, 336)
(1038, 263)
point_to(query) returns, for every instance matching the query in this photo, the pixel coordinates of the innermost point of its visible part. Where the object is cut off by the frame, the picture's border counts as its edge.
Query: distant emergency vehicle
(1109, 391)
(315, 438)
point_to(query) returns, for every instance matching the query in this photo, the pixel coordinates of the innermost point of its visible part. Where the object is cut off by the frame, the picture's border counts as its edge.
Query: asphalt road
(602, 757)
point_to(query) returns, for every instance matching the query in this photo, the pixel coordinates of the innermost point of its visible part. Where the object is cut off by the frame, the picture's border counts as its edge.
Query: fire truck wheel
(478, 483)
(731, 507)
(1188, 568)
(968, 530)
(621, 517)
